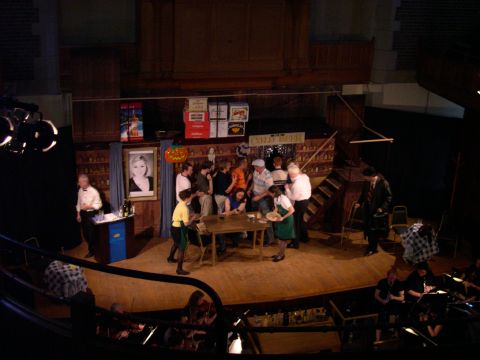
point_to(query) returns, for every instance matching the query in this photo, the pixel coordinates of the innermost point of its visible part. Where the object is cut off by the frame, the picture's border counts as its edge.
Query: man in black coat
(375, 198)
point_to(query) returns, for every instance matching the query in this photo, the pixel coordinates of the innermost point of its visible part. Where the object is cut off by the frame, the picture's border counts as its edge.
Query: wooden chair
(354, 223)
(196, 233)
(399, 221)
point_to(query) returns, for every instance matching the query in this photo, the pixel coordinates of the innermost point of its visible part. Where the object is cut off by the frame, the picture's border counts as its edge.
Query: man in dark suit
(375, 198)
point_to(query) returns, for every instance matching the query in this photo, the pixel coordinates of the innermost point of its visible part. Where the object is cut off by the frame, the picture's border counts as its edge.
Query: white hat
(259, 163)
(293, 170)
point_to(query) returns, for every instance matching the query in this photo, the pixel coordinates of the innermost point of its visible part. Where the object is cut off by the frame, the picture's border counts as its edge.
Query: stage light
(44, 135)
(478, 92)
(6, 130)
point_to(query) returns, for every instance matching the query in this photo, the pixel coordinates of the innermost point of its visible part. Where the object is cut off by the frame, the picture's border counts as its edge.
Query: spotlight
(6, 130)
(44, 135)
(478, 92)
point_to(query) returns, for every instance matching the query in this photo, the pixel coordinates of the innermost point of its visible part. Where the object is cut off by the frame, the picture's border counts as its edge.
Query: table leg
(262, 238)
(214, 249)
(254, 239)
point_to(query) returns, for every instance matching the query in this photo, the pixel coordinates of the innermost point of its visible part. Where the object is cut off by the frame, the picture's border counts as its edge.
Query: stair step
(312, 208)
(326, 191)
(335, 183)
(306, 217)
(319, 199)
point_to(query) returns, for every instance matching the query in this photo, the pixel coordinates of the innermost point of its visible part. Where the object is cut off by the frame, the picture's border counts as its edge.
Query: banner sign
(277, 139)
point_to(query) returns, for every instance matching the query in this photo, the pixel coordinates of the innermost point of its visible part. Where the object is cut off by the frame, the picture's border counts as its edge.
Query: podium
(113, 238)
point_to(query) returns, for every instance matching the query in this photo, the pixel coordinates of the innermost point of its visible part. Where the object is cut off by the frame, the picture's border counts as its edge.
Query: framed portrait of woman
(141, 173)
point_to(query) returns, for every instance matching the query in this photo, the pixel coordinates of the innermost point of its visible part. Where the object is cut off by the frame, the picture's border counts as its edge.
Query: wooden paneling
(95, 73)
(155, 40)
(340, 118)
(223, 37)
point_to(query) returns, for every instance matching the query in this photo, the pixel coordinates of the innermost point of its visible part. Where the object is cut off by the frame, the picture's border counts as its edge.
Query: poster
(131, 122)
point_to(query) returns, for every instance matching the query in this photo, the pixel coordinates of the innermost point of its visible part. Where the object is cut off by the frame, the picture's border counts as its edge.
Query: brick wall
(18, 45)
(442, 19)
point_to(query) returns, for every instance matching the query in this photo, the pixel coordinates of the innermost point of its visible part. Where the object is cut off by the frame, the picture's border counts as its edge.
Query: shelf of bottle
(97, 173)
(206, 156)
(311, 151)
(92, 163)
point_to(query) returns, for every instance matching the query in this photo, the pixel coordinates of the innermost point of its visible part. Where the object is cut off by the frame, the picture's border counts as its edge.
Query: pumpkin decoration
(176, 154)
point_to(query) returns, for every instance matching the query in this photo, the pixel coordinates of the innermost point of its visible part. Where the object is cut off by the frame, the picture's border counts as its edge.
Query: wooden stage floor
(319, 267)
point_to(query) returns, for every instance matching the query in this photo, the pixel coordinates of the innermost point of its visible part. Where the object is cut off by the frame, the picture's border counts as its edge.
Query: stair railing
(320, 149)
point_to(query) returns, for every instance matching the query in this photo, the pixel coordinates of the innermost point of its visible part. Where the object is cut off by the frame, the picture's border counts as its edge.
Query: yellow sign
(277, 139)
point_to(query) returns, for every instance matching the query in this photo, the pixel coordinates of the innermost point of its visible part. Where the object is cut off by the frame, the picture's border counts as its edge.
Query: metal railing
(220, 328)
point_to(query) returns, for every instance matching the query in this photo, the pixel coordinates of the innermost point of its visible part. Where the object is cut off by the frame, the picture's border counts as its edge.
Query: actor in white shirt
(182, 182)
(279, 175)
(88, 204)
(299, 192)
(261, 200)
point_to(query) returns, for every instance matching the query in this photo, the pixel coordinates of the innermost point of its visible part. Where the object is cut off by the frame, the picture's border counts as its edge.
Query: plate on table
(272, 216)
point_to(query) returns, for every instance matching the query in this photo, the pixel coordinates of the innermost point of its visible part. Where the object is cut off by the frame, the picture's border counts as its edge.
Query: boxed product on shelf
(222, 128)
(236, 128)
(197, 130)
(238, 111)
(196, 104)
(218, 110)
(195, 116)
(213, 128)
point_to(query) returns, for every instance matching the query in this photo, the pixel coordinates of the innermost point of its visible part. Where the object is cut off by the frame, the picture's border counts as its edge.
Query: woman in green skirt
(284, 224)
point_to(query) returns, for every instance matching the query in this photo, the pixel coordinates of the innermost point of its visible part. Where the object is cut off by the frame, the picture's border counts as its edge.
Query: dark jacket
(382, 196)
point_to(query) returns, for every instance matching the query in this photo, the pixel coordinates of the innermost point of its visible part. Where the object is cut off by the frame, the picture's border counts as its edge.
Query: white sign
(277, 139)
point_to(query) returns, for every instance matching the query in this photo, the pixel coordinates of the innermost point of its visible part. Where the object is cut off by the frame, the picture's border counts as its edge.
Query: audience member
(389, 296)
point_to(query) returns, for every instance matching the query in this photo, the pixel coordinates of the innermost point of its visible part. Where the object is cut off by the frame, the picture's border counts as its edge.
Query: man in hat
(375, 198)
(262, 180)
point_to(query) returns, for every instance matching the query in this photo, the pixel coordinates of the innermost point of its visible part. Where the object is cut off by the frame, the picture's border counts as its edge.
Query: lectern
(113, 238)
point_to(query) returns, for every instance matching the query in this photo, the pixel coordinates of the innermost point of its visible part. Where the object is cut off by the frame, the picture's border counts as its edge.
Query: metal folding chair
(399, 220)
(447, 231)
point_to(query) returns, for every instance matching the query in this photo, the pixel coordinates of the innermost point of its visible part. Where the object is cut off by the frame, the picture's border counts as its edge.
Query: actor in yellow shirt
(181, 218)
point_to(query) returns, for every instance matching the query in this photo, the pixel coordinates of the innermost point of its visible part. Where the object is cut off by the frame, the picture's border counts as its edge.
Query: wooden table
(298, 342)
(216, 225)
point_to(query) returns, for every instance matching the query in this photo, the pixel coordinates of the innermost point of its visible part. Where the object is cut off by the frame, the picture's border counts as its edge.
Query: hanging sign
(277, 139)
(176, 154)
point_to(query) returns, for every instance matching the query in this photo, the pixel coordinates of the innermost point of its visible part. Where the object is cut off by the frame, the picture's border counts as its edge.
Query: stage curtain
(117, 188)
(166, 190)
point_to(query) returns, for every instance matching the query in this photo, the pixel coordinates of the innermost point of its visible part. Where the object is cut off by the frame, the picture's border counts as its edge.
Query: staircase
(322, 199)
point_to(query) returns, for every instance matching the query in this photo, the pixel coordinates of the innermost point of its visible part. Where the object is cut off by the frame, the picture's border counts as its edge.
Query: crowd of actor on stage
(229, 191)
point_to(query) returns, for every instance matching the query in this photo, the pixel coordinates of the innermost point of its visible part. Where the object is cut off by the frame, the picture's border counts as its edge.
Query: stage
(319, 267)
